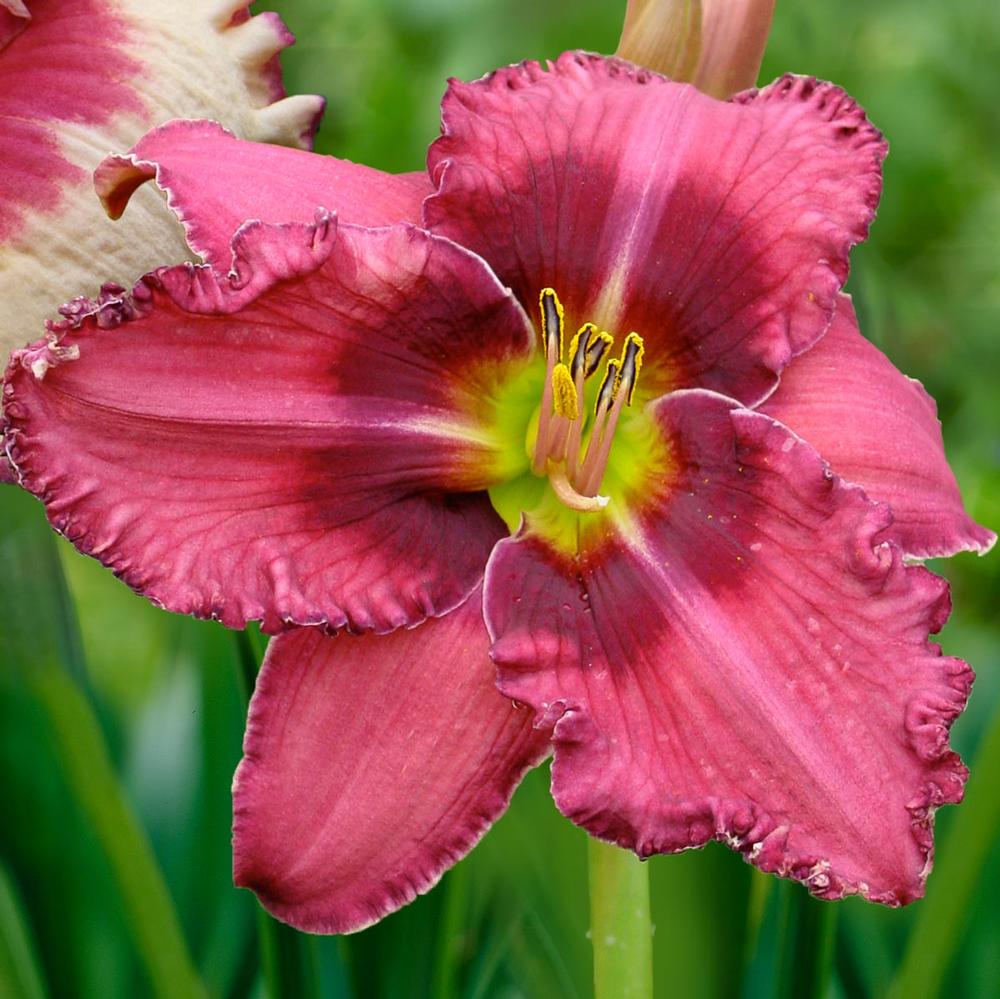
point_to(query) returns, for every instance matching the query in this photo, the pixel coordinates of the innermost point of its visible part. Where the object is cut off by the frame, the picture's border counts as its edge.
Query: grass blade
(941, 924)
(807, 937)
(20, 977)
(41, 648)
(288, 959)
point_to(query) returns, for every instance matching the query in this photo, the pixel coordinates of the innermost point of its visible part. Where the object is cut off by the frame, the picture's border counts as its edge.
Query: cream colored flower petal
(88, 77)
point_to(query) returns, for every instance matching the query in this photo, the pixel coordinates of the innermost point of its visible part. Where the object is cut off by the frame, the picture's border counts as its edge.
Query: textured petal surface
(87, 76)
(747, 661)
(214, 182)
(300, 442)
(718, 231)
(371, 765)
(879, 429)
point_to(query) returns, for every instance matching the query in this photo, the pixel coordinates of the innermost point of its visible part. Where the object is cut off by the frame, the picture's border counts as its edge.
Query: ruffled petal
(301, 442)
(879, 429)
(214, 182)
(746, 661)
(371, 765)
(86, 76)
(718, 231)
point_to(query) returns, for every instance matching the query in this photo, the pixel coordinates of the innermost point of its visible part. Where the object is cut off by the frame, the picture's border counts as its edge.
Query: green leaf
(20, 977)
(289, 960)
(941, 923)
(40, 644)
(807, 937)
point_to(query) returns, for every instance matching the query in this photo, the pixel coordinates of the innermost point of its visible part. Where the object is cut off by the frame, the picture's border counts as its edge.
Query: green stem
(620, 926)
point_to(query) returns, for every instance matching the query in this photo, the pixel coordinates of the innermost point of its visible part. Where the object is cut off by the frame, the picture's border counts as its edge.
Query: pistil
(563, 418)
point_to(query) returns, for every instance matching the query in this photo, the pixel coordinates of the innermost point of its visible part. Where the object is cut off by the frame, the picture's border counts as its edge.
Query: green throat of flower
(583, 450)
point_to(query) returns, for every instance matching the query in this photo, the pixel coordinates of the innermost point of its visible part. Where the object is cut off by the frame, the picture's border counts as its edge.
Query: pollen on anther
(609, 386)
(564, 398)
(587, 350)
(631, 364)
(553, 317)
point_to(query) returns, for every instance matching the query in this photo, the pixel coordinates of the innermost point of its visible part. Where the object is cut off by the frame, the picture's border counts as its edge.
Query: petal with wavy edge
(879, 429)
(300, 442)
(264, 182)
(371, 765)
(718, 231)
(87, 76)
(745, 661)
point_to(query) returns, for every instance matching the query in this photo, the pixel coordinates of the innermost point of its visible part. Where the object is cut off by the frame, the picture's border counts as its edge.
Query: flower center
(574, 441)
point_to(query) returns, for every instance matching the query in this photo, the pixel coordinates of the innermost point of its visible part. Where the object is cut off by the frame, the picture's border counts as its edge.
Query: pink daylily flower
(367, 422)
(81, 77)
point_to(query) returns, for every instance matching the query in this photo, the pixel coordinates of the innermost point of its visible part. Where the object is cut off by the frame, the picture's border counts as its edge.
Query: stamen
(552, 323)
(626, 372)
(631, 364)
(562, 419)
(587, 349)
(609, 387)
(564, 392)
(596, 351)
(576, 427)
(552, 337)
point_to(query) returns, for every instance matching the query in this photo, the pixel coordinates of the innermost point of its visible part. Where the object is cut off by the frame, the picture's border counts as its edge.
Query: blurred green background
(120, 726)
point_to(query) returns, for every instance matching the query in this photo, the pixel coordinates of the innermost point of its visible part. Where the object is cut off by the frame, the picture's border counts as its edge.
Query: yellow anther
(583, 333)
(609, 386)
(564, 392)
(599, 346)
(631, 364)
(552, 321)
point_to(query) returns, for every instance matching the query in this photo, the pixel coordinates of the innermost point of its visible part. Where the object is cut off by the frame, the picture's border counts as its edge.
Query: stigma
(574, 441)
